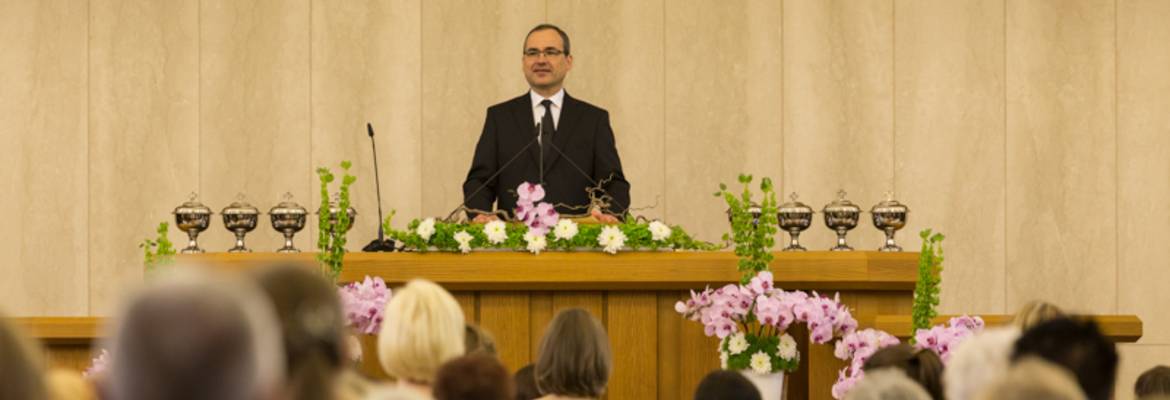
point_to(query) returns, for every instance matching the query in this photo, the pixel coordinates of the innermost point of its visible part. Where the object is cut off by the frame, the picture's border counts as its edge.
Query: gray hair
(979, 361)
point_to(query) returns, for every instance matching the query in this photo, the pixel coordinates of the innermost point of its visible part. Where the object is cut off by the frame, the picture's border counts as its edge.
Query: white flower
(426, 228)
(659, 231)
(787, 347)
(737, 344)
(761, 363)
(611, 239)
(536, 243)
(723, 356)
(565, 229)
(464, 240)
(496, 231)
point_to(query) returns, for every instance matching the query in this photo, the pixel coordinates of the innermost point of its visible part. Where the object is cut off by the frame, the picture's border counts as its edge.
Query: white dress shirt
(558, 100)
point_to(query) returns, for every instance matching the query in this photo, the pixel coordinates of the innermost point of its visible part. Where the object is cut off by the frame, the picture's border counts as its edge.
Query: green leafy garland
(160, 251)
(753, 235)
(331, 238)
(926, 291)
(638, 237)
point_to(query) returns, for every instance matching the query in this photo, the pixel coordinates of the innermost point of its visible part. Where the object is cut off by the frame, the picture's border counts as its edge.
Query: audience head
(194, 336)
(473, 377)
(574, 356)
(1035, 313)
(1034, 379)
(312, 325)
(19, 365)
(422, 329)
(887, 384)
(1078, 346)
(394, 393)
(1153, 382)
(477, 340)
(68, 385)
(726, 385)
(922, 366)
(525, 380)
(978, 361)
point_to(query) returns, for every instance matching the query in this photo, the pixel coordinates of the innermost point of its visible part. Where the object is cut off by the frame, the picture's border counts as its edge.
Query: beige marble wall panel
(618, 65)
(1135, 359)
(471, 59)
(838, 108)
(1143, 185)
(143, 132)
(366, 66)
(723, 105)
(1061, 154)
(255, 114)
(43, 163)
(949, 144)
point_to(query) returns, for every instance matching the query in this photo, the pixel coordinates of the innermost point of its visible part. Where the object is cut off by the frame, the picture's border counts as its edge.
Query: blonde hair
(1034, 379)
(979, 361)
(574, 357)
(68, 385)
(887, 383)
(422, 329)
(1035, 313)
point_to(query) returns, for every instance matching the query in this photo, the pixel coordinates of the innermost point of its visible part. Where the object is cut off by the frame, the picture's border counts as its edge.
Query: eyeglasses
(548, 53)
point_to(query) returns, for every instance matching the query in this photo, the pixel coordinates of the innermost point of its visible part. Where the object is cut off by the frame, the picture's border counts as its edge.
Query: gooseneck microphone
(381, 244)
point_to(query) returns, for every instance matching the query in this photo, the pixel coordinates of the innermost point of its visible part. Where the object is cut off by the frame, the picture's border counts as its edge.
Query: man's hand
(603, 217)
(484, 218)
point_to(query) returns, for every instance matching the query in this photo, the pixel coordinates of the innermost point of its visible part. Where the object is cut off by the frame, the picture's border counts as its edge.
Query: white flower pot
(771, 386)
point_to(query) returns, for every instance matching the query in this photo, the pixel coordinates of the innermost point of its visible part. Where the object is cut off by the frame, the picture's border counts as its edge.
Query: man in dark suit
(581, 131)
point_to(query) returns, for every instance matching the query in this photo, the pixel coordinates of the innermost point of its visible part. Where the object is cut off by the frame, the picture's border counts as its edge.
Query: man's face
(544, 71)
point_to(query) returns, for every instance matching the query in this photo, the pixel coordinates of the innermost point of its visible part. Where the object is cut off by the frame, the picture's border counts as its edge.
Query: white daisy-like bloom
(464, 240)
(761, 363)
(723, 356)
(536, 243)
(737, 344)
(611, 239)
(787, 348)
(659, 231)
(426, 228)
(496, 232)
(565, 230)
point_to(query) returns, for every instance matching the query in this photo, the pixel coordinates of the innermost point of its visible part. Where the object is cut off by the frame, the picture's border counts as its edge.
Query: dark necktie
(546, 124)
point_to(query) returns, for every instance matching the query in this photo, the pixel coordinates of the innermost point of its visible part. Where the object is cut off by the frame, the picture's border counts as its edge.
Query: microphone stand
(541, 138)
(381, 244)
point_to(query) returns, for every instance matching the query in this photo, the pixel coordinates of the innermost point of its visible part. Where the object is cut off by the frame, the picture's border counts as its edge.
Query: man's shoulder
(508, 104)
(586, 107)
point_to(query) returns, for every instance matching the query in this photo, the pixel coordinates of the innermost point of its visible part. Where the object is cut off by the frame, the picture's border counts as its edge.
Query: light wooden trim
(61, 329)
(509, 270)
(1119, 328)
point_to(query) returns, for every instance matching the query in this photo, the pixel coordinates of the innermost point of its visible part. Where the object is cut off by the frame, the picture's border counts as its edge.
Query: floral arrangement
(539, 229)
(331, 235)
(753, 227)
(363, 303)
(98, 366)
(159, 251)
(942, 338)
(856, 348)
(926, 289)
(751, 321)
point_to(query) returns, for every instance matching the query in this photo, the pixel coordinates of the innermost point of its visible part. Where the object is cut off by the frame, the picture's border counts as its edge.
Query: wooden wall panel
(506, 316)
(632, 319)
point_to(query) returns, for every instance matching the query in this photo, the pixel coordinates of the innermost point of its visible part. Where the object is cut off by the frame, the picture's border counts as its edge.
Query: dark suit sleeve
(607, 163)
(483, 166)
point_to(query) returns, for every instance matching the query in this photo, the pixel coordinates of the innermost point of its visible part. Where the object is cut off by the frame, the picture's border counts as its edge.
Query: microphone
(381, 244)
(486, 182)
(624, 207)
(540, 138)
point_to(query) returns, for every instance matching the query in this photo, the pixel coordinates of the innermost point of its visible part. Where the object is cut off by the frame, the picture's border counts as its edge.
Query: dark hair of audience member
(574, 358)
(477, 340)
(473, 377)
(312, 325)
(726, 385)
(23, 376)
(1078, 346)
(525, 380)
(1154, 382)
(921, 366)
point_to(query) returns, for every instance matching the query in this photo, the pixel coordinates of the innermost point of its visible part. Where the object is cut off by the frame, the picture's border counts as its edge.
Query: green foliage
(768, 343)
(638, 237)
(752, 235)
(926, 290)
(160, 251)
(331, 235)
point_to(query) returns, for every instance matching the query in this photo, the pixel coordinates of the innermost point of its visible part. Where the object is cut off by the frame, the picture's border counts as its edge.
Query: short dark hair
(574, 356)
(473, 377)
(922, 366)
(542, 27)
(726, 385)
(1153, 382)
(1079, 347)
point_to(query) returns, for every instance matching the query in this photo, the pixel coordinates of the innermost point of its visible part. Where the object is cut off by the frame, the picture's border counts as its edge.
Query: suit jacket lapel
(522, 110)
(570, 112)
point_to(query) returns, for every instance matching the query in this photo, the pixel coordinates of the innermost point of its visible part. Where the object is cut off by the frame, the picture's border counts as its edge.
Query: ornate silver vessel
(192, 217)
(240, 218)
(288, 218)
(333, 210)
(889, 216)
(794, 217)
(841, 216)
